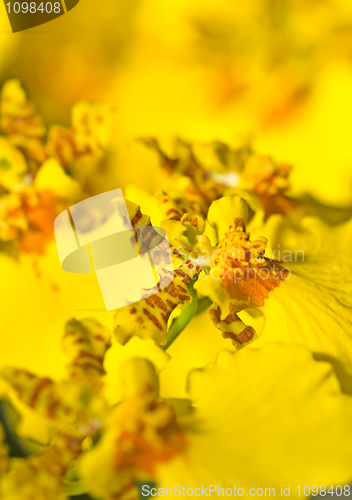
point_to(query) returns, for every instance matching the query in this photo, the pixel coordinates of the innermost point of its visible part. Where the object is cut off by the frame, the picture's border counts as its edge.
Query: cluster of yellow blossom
(38, 170)
(275, 410)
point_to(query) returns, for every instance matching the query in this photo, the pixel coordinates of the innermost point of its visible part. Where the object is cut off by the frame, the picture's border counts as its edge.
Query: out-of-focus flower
(61, 414)
(41, 476)
(72, 405)
(264, 182)
(87, 137)
(27, 218)
(169, 442)
(27, 213)
(32, 198)
(141, 432)
(204, 172)
(200, 192)
(119, 355)
(82, 148)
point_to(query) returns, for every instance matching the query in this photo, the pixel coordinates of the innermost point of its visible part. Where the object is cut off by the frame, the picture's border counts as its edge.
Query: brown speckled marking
(241, 338)
(42, 384)
(152, 318)
(136, 218)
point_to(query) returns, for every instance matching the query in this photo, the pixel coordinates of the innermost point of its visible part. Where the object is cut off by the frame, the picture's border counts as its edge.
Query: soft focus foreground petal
(85, 344)
(51, 175)
(75, 404)
(310, 237)
(118, 355)
(265, 418)
(37, 298)
(198, 345)
(141, 432)
(41, 476)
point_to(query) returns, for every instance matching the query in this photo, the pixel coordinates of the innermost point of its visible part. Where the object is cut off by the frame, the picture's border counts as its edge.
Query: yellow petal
(314, 305)
(260, 418)
(118, 355)
(152, 314)
(47, 297)
(53, 177)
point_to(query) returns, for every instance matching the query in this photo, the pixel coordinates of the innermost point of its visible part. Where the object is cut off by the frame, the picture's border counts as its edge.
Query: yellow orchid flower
(240, 276)
(71, 405)
(275, 413)
(142, 431)
(41, 476)
(237, 274)
(228, 439)
(311, 307)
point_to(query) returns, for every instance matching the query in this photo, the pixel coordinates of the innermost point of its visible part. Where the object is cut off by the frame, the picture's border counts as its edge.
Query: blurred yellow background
(280, 71)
